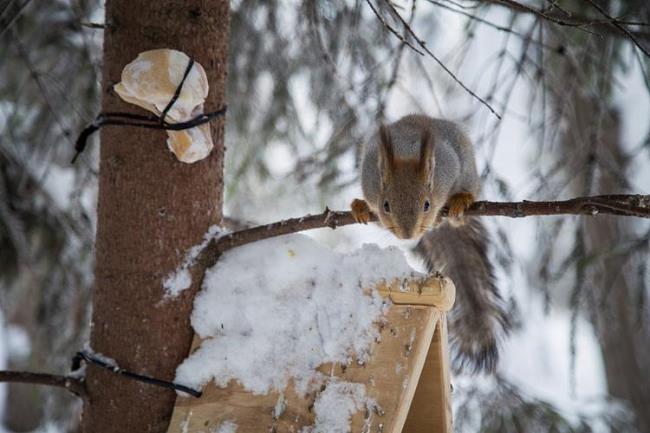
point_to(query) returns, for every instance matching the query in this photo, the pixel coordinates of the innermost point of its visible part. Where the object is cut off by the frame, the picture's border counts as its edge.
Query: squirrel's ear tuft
(426, 153)
(386, 155)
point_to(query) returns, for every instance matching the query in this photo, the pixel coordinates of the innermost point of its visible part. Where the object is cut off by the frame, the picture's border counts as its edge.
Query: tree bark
(151, 208)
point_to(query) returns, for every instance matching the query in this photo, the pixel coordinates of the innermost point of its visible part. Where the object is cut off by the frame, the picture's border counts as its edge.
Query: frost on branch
(150, 82)
(273, 311)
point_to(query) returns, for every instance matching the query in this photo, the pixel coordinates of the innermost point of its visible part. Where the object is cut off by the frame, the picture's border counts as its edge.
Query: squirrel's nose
(407, 232)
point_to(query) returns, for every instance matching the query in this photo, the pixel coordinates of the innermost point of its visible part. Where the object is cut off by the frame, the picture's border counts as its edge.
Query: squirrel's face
(406, 206)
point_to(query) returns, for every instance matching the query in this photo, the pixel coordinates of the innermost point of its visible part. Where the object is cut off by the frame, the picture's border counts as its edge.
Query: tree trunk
(612, 307)
(610, 279)
(151, 208)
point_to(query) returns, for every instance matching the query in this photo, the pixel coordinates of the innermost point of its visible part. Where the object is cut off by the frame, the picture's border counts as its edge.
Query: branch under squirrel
(74, 385)
(621, 205)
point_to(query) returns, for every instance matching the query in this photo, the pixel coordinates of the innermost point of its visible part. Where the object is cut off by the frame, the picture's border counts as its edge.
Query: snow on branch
(72, 384)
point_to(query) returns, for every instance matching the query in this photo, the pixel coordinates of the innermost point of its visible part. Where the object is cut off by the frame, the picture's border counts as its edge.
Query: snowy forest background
(308, 82)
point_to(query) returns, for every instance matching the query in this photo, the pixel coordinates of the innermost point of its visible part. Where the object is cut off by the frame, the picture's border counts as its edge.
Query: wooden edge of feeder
(431, 407)
(409, 395)
(430, 291)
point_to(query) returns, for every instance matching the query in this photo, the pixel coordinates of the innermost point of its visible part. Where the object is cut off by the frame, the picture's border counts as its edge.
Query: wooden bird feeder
(407, 374)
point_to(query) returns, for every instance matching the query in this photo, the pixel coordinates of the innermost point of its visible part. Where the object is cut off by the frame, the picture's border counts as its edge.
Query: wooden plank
(433, 290)
(390, 378)
(431, 411)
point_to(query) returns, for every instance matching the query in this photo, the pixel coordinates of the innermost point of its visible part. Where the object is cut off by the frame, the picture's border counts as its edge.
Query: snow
(101, 357)
(335, 405)
(547, 336)
(178, 281)
(280, 406)
(267, 313)
(226, 427)
(271, 312)
(185, 425)
(59, 182)
(181, 279)
(19, 345)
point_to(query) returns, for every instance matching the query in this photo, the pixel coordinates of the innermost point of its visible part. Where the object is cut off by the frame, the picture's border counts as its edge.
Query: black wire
(177, 92)
(85, 356)
(145, 121)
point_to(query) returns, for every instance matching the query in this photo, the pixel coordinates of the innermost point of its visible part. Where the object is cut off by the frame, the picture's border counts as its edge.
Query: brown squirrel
(411, 169)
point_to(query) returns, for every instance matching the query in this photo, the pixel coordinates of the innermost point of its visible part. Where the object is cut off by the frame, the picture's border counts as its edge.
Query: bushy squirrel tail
(479, 318)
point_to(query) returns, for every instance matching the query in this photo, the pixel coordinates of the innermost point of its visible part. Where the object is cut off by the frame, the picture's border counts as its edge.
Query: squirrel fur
(411, 169)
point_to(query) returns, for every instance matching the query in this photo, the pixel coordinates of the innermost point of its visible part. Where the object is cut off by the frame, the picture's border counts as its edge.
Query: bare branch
(580, 22)
(10, 14)
(621, 205)
(74, 385)
(422, 44)
(619, 26)
(495, 26)
(396, 66)
(391, 29)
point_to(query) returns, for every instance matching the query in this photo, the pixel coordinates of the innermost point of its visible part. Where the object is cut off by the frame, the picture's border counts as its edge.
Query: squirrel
(410, 170)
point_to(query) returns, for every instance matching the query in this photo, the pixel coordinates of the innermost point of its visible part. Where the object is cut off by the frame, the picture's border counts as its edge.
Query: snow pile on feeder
(273, 311)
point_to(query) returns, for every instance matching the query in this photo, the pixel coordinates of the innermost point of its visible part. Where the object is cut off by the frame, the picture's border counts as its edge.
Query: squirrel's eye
(427, 206)
(386, 207)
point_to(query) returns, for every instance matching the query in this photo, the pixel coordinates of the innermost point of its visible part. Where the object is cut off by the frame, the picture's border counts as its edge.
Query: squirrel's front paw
(457, 205)
(360, 211)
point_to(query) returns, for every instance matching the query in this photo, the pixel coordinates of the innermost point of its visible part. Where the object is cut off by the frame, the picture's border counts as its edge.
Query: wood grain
(433, 291)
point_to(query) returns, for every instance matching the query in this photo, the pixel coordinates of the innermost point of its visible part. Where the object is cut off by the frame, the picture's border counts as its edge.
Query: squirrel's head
(406, 206)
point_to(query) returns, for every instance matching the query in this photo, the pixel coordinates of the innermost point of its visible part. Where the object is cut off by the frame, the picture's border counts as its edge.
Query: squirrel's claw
(360, 211)
(457, 205)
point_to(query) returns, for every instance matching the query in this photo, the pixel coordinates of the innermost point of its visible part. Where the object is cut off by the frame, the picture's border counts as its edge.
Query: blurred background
(308, 83)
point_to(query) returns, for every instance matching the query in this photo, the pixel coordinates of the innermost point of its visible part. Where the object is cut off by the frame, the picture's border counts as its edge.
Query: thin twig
(8, 19)
(619, 26)
(38, 79)
(396, 66)
(495, 26)
(424, 47)
(74, 385)
(622, 205)
(391, 29)
(576, 21)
